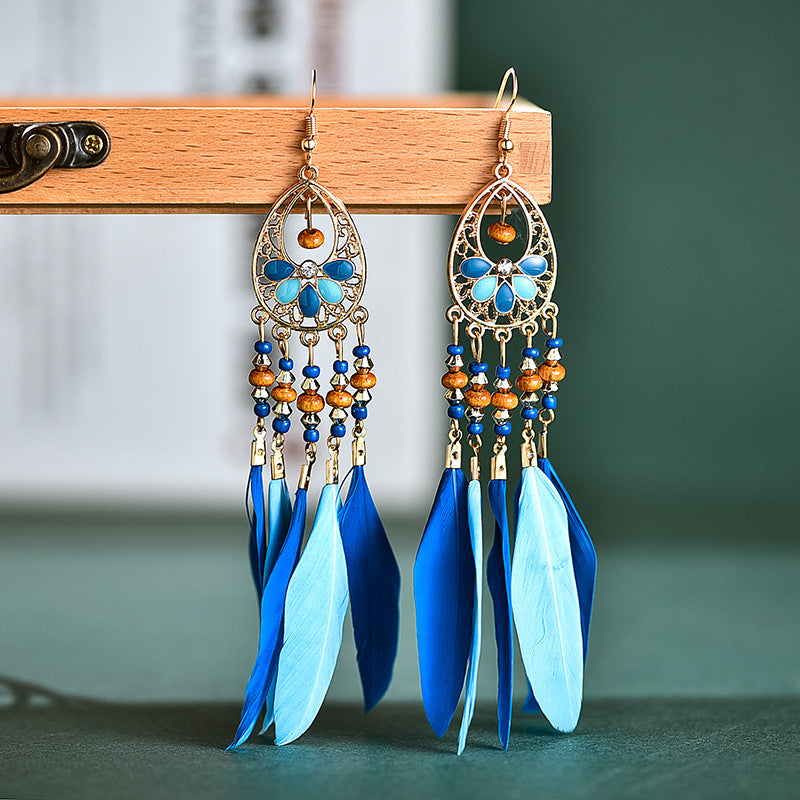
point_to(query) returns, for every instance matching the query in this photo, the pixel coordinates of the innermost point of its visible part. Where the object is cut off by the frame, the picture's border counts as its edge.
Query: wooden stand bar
(236, 155)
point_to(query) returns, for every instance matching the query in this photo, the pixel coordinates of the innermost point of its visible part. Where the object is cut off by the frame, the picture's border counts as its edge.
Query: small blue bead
(265, 348)
(530, 413)
(361, 350)
(475, 429)
(359, 412)
(311, 435)
(286, 363)
(530, 352)
(455, 412)
(340, 367)
(554, 342)
(549, 401)
(338, 430)
(262, 409)
(311, 371)
(503, 429)
(476, 367)
(281, 424)
(503, 372)
(455, 350)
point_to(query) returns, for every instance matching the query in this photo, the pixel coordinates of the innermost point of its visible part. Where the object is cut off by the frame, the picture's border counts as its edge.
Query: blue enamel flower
(504, 282)
(309, 283)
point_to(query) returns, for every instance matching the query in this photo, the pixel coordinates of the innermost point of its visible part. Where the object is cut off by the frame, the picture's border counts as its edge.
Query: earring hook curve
(313, 91)
(510, 73)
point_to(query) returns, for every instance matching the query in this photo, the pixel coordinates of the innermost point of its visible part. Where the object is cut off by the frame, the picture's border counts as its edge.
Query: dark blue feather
(271, 632)
(374, 580)
(498, 575)
(257, 517)
(444, 587)
(584, 566)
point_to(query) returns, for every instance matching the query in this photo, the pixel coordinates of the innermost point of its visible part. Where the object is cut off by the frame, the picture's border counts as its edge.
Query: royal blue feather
(316, 604)
(476, 541)
(256, 516)
(271, 631)
(545, 601)
(444, 589)
(584, 565)
(498, 575)
(374, 580)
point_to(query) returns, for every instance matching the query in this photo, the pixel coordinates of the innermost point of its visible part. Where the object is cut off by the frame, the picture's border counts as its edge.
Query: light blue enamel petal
(308, 301)
(504, 299)
(533, 265)
(484, 289)
(475, 267)
(339, 270)
(287, 291)
(277, 270)
(330, 290)
(524, 287)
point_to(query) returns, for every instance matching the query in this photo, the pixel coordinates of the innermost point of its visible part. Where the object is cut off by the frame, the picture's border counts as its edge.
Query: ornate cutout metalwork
(503, 293)
(327, 292)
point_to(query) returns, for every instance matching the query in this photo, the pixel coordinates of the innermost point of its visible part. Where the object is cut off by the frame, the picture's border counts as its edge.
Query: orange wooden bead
(505, 400)
(310, 238)
(283, 393)
(502, 232)
(455, 380)
(261, 377)
(363, 380)
(478, 398)
(529, 381)
(310, 403)
(552, 372)
(338, 398)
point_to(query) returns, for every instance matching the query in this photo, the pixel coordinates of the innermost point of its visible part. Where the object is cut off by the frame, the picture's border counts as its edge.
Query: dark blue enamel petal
(339, 270)
(308, 301)
(277, 270)
(475, 267)
(533, 265)
(504, 299)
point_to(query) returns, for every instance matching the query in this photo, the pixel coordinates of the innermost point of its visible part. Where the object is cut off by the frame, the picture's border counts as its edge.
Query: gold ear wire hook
(314, 92)
(510, 73)
(504, 144)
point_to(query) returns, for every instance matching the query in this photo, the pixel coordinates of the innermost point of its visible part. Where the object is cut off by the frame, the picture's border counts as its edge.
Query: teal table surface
(127, 642)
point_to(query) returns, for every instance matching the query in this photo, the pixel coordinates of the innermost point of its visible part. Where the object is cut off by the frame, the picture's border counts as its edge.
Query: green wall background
(675, 214)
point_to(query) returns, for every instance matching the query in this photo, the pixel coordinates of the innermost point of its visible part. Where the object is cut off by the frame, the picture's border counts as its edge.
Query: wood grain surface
(237, 155)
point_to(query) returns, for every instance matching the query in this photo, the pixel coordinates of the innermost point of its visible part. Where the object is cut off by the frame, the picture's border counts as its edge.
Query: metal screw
(92, 144)
(38, 146)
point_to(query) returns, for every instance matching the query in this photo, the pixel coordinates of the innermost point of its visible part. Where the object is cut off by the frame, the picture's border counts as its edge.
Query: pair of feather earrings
(303, 592)
(546, 589)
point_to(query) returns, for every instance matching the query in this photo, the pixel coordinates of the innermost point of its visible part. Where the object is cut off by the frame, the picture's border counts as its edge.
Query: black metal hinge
(30, 149)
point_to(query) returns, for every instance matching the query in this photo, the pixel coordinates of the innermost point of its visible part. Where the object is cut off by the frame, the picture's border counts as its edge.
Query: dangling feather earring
(502, 296)
(584, 558)
(304, 593)
(372, 570)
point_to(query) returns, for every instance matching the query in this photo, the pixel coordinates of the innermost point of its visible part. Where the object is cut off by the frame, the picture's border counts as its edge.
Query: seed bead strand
(283, 394)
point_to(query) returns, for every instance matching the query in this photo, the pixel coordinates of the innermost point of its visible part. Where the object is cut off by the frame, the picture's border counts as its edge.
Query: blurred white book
(125, 341)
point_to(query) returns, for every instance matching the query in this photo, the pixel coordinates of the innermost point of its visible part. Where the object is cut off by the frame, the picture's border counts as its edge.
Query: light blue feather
(316, 604)
(444, 595)
(271, 627)
(279, 512)
(545, 601)
(584, 565)
(476, 538)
